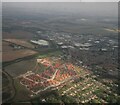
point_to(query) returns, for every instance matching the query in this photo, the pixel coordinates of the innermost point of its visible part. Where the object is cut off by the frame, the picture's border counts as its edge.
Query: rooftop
(40, 42)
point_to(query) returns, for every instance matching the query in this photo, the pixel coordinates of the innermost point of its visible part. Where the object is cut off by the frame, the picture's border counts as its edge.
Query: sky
(83, 8)
(60, 0)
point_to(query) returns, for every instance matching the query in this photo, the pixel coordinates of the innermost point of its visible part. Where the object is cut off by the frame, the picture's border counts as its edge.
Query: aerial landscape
(60, 53)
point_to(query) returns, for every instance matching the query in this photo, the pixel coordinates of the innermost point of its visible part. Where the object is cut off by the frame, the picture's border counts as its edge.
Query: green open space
(49, 54)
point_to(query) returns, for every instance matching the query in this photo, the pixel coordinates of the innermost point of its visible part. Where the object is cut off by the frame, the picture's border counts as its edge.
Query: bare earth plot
(9, 54)
(12, 55)
(20, 42)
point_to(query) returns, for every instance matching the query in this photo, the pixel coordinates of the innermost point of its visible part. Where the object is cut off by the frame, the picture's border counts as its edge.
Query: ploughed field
(23, 43)
(10, 54)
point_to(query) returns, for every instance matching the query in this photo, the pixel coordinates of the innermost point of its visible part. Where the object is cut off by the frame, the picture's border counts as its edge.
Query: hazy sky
(60, 0)
(107, 9)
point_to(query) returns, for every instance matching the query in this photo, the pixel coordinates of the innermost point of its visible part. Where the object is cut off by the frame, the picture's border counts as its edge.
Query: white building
(40, 42)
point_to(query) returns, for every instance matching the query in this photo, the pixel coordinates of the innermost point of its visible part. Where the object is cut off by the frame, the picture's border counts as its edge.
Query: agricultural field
(19, 34)
(10, 54)
(21, 67)
(7, 87)
(20, 42)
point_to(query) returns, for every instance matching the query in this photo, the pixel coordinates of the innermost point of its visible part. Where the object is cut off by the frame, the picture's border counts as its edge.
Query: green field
(49, 54)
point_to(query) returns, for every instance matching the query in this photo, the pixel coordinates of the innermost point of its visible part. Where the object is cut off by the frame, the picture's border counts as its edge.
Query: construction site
(54, 75)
